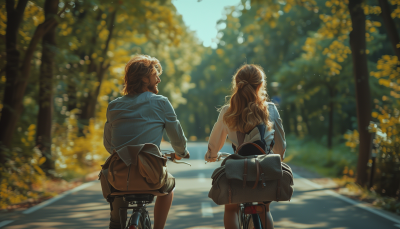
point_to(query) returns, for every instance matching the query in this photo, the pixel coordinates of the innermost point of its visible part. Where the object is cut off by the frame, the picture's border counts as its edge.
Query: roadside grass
(338, 163)
(316, 157)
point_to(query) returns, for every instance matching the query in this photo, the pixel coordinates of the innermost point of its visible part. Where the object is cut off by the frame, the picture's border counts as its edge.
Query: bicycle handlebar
(220, 156)
(171, 157)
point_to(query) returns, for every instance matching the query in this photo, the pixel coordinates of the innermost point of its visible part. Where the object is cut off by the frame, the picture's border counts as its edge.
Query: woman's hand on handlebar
(209, 158)
(219, 157)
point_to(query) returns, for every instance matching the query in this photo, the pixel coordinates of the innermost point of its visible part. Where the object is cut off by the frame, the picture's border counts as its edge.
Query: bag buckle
(263, 180)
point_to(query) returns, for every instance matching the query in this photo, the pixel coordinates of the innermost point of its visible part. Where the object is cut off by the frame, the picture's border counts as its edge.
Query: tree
(390, 26)
(45, 114)
(17, 71)
(14, 18)
(361, 80)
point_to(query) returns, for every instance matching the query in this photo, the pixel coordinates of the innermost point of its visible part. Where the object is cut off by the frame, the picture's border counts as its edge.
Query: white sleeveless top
(220, 131)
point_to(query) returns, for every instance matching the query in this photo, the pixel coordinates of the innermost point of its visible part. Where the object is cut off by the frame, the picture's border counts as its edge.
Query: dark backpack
(257, 147)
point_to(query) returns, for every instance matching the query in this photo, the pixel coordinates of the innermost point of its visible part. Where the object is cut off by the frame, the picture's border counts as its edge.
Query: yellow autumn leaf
(41, 160)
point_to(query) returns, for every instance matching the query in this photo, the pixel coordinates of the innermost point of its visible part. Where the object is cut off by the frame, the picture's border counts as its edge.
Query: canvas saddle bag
(252, 178)
(134, 168)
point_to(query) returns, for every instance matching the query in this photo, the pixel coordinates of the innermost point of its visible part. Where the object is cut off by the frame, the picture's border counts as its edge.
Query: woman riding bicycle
(247, 109)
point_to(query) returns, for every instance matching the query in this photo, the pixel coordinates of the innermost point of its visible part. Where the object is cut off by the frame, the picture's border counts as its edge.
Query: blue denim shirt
(142, 118)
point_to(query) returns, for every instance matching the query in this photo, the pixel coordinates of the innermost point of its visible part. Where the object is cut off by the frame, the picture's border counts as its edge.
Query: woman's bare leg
(161, 209)
(231, 216)
(270, 221)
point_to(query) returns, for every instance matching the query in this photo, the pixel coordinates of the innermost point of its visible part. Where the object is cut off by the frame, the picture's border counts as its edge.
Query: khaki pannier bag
(134, 168)
(256, 178)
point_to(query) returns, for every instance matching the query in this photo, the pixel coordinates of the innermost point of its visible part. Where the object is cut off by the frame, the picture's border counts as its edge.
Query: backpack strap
(271, 146)
(240, 136)
(261, 128)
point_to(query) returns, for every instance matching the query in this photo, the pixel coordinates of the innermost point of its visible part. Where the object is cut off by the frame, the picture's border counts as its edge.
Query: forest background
(332, 69)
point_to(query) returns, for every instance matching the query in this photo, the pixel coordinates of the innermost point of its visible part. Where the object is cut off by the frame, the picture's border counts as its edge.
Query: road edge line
(62, 195)
(348, 200)
(6, 222)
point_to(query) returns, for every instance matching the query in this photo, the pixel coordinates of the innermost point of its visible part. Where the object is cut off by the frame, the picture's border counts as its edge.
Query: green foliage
(95, 39)
(315, 156)
(302, 46)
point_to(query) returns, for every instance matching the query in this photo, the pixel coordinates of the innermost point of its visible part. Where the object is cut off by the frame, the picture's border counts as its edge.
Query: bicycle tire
(245, 221)
(248, 223)
(145, 221)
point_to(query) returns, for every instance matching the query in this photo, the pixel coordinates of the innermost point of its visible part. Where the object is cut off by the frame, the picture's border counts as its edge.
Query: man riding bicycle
(139, 117)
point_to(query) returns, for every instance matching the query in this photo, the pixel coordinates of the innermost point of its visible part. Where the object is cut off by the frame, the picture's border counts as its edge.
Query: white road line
(5, 222)
(348, 200)
(199, 154)
(397, 225)
(206, 210)
(202, 177)
(62, 195)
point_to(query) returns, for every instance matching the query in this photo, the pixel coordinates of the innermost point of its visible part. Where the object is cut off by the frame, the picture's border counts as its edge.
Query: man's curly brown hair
(136, 69)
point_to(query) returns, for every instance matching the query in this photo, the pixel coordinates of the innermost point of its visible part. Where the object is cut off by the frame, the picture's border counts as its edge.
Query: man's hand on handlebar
(171, 156)
(186, 157)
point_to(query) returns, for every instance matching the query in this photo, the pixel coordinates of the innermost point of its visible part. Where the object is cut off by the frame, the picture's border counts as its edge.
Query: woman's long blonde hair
(247, 105)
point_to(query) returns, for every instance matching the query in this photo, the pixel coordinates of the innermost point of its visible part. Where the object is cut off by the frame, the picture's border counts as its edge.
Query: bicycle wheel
(145, 222)
(248, 222)
(245, 221)
(139, 220)
(255, 221)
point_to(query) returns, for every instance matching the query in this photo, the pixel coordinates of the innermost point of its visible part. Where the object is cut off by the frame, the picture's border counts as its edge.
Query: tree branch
(63, 9)
(390, 26)
(110, 32)
(39, 32)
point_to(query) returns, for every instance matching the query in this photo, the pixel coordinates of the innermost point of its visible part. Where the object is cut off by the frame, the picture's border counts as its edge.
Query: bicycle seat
(139, 198)
(151, 192)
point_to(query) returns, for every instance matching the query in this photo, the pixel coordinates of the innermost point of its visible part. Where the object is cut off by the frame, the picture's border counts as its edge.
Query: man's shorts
(169, 185)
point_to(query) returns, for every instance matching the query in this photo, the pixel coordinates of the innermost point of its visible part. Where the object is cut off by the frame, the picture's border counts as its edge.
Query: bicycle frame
(137, 212)
(248, 210)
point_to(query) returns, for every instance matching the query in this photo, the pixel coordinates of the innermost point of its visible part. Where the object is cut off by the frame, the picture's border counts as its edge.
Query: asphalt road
(310, 207)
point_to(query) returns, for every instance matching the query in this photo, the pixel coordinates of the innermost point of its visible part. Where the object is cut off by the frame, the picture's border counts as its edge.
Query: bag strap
(258, 173)
(245, 173)
(254, 144)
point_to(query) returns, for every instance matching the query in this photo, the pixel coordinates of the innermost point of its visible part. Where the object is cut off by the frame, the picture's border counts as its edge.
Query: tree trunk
(331, 106)
(363, 99)
(89, 108)
(8, 118)
(390, 26)
(43, 129)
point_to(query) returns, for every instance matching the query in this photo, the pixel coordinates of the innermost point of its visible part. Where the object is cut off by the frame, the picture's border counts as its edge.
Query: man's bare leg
(161, 209)
(231, 216)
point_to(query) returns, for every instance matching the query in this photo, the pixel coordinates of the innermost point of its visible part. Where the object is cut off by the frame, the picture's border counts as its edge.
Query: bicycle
(140, 218)
(248, 212)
